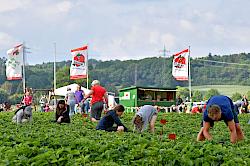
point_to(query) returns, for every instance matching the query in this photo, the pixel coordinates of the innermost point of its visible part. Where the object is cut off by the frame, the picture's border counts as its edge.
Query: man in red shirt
(99, 97)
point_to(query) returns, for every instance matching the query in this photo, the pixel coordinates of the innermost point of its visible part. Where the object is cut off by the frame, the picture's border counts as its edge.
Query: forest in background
(150, 72)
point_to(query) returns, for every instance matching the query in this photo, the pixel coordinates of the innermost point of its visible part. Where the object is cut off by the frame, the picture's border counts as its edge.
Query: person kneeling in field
(147, 114)
(112, 116)
(220, 108)
(62, 112)
(24, 113)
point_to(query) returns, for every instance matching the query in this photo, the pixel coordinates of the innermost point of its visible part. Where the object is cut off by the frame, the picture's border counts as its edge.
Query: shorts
(235, 116)
(96, 110)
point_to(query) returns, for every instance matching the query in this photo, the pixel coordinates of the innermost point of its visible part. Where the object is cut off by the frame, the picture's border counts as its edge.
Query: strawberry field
(78, 143)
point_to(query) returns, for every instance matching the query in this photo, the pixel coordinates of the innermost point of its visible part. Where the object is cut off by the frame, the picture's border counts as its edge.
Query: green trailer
(134, 97)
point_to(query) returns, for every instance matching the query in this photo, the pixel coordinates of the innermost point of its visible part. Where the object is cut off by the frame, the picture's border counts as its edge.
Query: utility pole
(24, 64)
(164, 55)
(24, 82)
(54, 75)
(135, 74)
(164, 51)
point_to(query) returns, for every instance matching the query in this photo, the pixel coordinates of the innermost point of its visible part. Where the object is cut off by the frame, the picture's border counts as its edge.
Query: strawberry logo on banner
(79, 60)
(180, 65)
(78, 68)
(14, 63)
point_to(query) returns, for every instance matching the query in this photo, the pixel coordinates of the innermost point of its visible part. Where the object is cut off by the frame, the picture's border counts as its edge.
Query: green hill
(154, 72)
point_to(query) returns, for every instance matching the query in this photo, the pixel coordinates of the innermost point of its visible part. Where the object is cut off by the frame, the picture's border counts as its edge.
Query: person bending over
(220, 108)
(147, 114)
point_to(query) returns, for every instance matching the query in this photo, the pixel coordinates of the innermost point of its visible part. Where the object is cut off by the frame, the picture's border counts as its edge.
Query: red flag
(180, 65)
(14, 63)
(78, 68)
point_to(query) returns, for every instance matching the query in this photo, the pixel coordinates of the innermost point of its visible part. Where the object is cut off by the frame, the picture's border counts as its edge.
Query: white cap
(95, 82)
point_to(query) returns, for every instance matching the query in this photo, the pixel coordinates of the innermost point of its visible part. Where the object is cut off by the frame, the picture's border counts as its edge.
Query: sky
(124, 29)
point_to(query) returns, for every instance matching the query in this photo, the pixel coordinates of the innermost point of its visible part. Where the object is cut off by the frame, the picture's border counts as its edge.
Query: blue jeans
(86, 106)
(71, 107)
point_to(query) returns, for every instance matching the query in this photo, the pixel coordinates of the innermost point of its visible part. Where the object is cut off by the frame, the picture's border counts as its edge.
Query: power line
(223, 62)
(227, 67)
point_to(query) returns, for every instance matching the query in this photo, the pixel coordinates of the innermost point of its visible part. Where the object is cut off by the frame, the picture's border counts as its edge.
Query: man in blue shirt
(107, 122)
(220, 108)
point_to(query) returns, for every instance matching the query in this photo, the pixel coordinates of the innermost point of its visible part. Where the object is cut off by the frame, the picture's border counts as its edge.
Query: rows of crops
(78, 143)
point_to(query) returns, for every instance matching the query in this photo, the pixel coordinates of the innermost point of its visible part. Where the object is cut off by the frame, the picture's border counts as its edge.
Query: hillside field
(78, 143)
(227, 90)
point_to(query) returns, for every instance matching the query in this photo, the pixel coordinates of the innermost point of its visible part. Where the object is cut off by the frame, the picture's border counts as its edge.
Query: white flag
(14, 63)
(78, 68)
(180, 65)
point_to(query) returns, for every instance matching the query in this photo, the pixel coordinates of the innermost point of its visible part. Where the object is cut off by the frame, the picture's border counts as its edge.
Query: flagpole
(87, 68)
(24, 67)
(54, 73)
(189, 75)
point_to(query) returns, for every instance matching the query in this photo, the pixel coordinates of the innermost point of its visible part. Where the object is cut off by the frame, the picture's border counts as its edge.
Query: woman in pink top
(24, 113)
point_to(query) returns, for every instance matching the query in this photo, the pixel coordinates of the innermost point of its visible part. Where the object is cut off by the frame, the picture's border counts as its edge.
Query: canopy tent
(62, 91)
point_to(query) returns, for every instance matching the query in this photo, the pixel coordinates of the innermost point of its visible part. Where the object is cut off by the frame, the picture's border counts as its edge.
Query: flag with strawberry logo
(180, 65)
(78, 68)
(14, 63)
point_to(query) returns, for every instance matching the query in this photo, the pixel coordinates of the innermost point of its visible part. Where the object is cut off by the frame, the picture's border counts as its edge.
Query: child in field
(24, 113)
(220, 108)
(147, 114)
(62, 112)
(112, 116)
(46, 108)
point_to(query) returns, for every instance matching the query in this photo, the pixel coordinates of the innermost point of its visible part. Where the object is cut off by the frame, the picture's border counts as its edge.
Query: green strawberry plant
(45, 143)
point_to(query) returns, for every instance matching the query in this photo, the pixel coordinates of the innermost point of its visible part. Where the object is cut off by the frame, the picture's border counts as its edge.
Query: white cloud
(242, 37)
(10, 5)
(209, 16)
(55, 9)
(186, 25)
(219, 30)
(153, 37)
(49, 11)
(64, 7)
(125, 29)
(169, 40)
(6, 40)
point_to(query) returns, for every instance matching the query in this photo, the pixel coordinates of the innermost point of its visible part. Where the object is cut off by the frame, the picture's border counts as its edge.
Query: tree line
(148, 72)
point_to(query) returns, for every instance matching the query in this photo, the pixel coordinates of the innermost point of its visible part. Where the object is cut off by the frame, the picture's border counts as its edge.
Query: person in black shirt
(62, 112)
(178, 104)
(107, 122)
